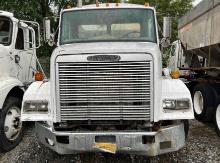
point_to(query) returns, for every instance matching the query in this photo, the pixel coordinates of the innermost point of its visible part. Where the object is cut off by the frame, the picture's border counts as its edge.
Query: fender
(6, 85)
(36, 93)
(176, 89)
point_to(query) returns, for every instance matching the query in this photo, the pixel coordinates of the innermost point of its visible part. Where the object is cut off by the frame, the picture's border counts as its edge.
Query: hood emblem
(104, 58)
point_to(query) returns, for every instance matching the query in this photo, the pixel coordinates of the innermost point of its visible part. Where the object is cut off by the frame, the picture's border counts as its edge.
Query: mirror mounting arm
(38, 30)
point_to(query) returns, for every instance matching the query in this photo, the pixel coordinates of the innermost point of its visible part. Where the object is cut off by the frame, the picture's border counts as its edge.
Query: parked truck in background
(17, 68)
(107, 92)
(197, 56)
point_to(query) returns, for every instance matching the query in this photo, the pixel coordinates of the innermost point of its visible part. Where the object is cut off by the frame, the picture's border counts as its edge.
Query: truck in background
(107, 92)
(18, 65)
(197, 56)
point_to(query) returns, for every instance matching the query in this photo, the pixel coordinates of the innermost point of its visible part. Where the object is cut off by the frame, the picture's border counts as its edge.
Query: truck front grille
(105, 90)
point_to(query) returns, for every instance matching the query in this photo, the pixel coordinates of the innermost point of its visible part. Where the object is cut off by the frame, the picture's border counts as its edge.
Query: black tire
(204, 111)
(217, 120)
(7, 144)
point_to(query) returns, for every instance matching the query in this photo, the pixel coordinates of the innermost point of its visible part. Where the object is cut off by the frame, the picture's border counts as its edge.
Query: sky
(196, 2)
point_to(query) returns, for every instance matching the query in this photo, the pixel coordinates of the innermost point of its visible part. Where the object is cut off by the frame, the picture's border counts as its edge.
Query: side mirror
(167, 25)
(46, 29)
(48, 37)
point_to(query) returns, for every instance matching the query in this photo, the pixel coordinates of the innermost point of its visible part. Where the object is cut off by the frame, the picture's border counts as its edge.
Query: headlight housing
(179, 104)
(35, 106)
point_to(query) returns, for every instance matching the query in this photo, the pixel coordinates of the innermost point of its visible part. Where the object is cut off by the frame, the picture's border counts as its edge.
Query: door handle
(17, 59)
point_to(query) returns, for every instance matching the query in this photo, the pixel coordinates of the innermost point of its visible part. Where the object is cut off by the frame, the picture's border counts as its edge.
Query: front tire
(217, 120)
(11, 129)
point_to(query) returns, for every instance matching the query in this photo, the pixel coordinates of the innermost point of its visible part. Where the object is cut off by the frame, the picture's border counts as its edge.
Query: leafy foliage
(30, 10)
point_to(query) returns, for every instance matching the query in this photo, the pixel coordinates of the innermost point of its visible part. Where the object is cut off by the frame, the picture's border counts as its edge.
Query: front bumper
(166, 140)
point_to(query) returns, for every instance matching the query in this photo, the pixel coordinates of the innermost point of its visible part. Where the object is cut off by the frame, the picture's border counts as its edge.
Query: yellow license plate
(106, 147)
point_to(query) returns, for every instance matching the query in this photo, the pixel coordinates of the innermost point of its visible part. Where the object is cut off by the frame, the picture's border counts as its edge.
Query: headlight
(182, 104)
(36, 106)
(169, 104)
(176, 104)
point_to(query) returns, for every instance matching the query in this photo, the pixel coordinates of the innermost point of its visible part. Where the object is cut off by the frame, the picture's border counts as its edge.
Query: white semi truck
(107, 92)
(17, 69)
(197, 56)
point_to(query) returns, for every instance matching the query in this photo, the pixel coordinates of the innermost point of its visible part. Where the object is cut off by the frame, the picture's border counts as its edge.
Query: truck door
(31, 53)
(18, 51)
(24, 58)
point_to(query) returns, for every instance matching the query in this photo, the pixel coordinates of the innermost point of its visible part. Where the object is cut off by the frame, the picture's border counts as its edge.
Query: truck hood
(108, 47)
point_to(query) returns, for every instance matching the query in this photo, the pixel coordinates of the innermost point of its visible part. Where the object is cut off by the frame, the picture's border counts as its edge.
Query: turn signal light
(38, 76)
(68, 7)
(175, 74)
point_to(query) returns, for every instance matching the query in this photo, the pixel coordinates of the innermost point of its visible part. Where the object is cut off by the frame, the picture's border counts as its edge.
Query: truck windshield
(5, 28)
(108, 25)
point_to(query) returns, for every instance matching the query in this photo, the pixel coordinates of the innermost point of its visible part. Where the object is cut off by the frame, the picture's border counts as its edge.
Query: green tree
(30, 10)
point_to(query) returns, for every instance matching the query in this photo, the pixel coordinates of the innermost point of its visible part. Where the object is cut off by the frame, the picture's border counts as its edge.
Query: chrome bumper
(166, 140)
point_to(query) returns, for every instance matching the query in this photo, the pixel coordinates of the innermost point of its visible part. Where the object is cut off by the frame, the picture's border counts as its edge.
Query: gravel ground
(203, 146)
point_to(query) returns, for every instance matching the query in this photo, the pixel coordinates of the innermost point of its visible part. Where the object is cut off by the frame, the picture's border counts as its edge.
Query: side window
(20, 40)
(4, 31)
(30, 39)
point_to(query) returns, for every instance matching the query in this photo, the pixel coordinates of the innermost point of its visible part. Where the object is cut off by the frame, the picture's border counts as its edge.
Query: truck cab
(106, 91)
(17, 67)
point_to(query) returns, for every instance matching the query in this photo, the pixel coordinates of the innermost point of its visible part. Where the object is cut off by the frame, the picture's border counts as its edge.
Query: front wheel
(217, 120)
(11, 129)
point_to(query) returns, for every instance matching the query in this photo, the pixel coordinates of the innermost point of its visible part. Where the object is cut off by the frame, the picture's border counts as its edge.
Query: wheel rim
(198, 102)
(218, 117)
(13, 124)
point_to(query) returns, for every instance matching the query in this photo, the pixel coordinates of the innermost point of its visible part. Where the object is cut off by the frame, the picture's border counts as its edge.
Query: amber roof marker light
(107, 3)
(146, 4)
(97, 3)
(117, 3)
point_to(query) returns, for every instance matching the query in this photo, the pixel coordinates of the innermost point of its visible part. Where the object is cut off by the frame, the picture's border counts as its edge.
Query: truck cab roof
(8, 15)
(110, 5)
(5, 13)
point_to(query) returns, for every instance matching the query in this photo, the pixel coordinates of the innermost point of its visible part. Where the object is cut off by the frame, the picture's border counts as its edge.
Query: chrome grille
(105, 90)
